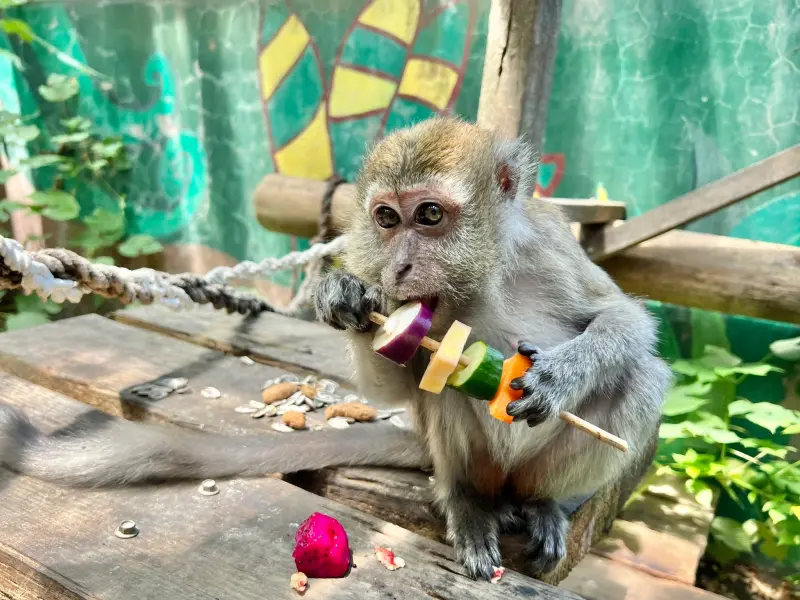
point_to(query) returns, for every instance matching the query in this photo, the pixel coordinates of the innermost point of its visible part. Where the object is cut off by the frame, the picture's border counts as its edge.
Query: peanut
(279, 392)
(295, 419)
(353, 410)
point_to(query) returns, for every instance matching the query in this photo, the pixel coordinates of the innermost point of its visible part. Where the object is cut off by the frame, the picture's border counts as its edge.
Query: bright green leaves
(140, 245)
(55, 204)
(59, 88)
(705, 413)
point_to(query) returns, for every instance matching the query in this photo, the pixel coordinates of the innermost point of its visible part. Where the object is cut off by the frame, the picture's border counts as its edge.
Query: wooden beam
(698, 203)
(712, 272)
(518, 67)
(292, 205)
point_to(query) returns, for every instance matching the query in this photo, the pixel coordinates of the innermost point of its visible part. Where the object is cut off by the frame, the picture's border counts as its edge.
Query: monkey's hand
(549, 386)
(344, 302)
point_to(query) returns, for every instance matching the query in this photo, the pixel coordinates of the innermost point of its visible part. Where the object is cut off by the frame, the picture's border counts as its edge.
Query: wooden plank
(724, 274)
(292, 205)
(518, 67)
(98, 361)
(698, 203)
(598, 578)
(270, 338)
(236, 544)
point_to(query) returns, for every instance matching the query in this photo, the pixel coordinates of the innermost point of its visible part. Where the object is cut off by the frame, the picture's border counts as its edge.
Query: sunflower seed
(287, 377)
(352, 398)
(317, 428)
(210, 392)
(173, 383)
(383, 415)
(269, 383)
(256, 404)
(309, 380)
(338, 423)
(267, 411)
(296, 399)
(247, 361)
(311, 404)
(326, 398)
(318, 403)
(184, 390)
(245, 410)
(282, 410)
(326, 386)
(397, 422)
(282, 428)
(158, 393)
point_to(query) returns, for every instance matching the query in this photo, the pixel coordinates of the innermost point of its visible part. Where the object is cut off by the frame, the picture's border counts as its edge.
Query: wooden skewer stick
(573, 420)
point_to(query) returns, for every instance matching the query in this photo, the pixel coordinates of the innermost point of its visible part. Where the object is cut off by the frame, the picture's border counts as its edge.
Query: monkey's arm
(378, 378)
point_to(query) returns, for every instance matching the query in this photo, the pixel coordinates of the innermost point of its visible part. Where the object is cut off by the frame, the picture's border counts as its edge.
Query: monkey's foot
(474, 535)
(547, 527)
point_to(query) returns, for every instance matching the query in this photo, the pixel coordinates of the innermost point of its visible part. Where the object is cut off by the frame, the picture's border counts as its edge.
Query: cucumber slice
(481, 378)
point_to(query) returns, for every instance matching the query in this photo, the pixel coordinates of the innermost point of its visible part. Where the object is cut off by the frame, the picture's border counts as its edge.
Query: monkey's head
(439, 208)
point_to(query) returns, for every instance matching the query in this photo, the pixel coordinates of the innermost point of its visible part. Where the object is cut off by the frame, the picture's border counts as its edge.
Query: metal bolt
(209, 487)
(127, 529)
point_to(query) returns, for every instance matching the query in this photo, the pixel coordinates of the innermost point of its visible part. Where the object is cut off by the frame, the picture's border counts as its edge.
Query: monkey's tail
(113, 452)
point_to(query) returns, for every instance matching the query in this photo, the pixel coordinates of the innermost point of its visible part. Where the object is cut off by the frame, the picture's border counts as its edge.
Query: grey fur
(513, 271)
(116, 452)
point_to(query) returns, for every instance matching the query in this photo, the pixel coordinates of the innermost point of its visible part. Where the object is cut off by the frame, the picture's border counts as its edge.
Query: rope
(64, 276)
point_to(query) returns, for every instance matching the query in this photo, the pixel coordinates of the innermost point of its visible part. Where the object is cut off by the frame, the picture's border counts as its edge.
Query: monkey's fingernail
(527, 349)
(516, 384)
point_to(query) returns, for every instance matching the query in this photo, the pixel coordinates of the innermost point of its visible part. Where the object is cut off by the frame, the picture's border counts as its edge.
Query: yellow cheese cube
(445, 360)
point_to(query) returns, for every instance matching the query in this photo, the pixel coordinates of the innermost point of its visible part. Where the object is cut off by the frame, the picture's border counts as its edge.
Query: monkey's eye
(386, 218)
(428, 214)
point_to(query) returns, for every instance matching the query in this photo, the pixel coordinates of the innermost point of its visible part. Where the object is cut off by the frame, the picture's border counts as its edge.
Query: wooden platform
(57, 543)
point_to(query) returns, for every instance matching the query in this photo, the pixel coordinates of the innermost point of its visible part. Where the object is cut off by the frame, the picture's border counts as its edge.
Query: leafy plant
(75, 157)
(705, 412)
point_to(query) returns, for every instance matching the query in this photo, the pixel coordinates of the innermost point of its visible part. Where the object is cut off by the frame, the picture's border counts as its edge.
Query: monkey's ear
(516, 169)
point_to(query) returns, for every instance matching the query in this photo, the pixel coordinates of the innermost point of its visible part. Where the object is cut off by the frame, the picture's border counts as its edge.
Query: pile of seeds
(290, 399)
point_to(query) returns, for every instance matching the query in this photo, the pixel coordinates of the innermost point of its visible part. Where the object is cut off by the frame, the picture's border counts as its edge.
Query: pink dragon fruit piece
(321, 547)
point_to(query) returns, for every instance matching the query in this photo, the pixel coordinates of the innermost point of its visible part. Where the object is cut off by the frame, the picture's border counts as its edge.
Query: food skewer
(569, 418)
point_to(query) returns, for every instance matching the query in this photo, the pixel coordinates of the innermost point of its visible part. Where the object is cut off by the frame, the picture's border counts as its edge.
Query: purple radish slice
(399, 338)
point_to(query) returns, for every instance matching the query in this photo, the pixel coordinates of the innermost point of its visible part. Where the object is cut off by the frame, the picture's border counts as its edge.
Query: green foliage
(76, 157)
(756, 471)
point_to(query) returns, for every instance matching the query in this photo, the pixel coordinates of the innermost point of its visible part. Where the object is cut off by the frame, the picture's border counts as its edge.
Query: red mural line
(369, 71)
(561, 163)
(363, 115)
(383, 33)
(435, 60)
(421, 101)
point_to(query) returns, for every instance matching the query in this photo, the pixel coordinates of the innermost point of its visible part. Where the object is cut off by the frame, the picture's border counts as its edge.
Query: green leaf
(17, 27)
(139, 245)
(731, 533)
(714, 357)
(670, 431)
(25, 320)
(703, 492)
(679, 402)
(796, 511)
(722, 436)
(77, 123)
(27, 133)
(740, 407)
(104, 260)
(693, 368)
(42, 160)
(786, 349)
(71, 138)
(13, 58)
(768, 447)
(759, 369)
(59, 88)
(791, 430)
(56, 205)
(771, 416)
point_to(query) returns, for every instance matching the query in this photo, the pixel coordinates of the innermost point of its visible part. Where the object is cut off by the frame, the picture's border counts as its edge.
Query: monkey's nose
(403, 270)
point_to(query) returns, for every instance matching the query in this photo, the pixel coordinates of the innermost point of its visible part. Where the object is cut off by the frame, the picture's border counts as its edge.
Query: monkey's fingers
(528, 350)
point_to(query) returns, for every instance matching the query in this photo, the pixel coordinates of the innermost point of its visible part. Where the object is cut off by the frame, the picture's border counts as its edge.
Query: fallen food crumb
(388, 559)
(295, 419)
(309, 391)
(353, 410)
(299, 582)
(247, 360)
(210, 392)
(498, 573)
(280, 391)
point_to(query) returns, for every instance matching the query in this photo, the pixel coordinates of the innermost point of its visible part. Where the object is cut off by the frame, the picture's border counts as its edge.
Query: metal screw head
(209, 487)
(127, 529)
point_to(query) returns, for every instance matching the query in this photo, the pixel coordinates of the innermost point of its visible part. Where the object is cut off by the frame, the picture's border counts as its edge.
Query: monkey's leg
(548, 527)
(473, 527)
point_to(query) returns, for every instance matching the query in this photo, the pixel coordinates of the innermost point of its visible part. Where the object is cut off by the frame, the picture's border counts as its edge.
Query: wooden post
(518, 68)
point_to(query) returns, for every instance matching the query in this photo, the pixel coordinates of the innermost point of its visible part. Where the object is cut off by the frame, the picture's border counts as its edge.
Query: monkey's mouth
(430, 301)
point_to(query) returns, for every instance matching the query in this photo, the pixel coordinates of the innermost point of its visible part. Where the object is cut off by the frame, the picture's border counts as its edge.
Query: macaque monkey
(445, 214)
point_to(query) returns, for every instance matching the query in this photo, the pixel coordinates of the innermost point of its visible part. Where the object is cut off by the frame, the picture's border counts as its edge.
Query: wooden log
(698, 203)
(518, 67)
(236, 544)
(724, 274)
(292, 205)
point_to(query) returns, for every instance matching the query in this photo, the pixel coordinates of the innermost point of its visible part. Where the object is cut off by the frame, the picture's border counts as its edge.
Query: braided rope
(63, 275)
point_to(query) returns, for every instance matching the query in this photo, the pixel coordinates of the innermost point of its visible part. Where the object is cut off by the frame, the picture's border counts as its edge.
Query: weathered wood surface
(713, 272)
(518, 67)
(59, 543)
(292, 205)
(402, 497)
(698, 203)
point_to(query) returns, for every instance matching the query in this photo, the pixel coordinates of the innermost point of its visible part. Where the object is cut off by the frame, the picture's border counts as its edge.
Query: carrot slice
(513, 367)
